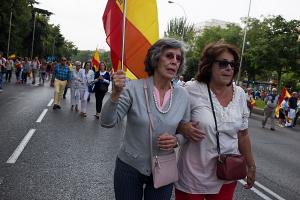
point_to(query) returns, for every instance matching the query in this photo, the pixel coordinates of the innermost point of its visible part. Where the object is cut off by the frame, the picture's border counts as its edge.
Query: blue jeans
(129, 185)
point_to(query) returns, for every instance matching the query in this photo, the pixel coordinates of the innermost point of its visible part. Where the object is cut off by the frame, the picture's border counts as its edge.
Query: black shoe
(54, 106)
(64, 97)
(97, 116)
(272, 129)
(58, 106)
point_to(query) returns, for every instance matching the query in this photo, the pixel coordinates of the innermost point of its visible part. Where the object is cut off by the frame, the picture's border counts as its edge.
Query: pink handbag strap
(150, 119)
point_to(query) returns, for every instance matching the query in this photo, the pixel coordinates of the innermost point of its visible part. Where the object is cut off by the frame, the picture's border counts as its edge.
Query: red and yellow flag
(96, 60)
(284, 93)
(141, 32)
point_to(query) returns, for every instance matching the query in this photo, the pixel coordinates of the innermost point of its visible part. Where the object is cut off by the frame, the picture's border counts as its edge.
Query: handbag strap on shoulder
(150, 118)
(215, 119)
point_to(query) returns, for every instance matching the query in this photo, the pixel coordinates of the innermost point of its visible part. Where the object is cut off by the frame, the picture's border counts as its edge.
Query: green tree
(273, 46)
(180, 29)
(21, 15)
(47, 35)
(230, 34)
(105, 56)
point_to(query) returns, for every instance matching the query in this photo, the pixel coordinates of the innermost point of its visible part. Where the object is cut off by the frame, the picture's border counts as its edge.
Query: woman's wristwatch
(252, 168)
(177, 143)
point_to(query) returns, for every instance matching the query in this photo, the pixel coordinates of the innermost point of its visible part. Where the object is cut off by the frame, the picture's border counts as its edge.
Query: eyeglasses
(171, 55)
(224, 63)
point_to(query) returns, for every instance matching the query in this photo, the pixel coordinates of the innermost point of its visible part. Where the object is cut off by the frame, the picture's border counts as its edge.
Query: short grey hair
(77, 63)
(156, 50)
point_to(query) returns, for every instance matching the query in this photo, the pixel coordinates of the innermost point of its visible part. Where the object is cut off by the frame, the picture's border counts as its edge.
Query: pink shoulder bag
(164, 167)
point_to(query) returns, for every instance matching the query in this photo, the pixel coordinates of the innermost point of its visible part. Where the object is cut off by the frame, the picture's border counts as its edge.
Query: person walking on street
(9, 69)
(250, 100)
(18, 69)
(61, 77)
(42, 72)
(297, 112)
(293, 106)
(168, 105)
(35, 65)
(75, 82)
(86, 76)
(219, 107)
(102, 79)
(2, 70)
(271, 102)
(25, 70)
(71, 69)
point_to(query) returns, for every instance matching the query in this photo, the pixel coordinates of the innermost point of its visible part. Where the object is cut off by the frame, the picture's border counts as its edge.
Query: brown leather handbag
(230, 167)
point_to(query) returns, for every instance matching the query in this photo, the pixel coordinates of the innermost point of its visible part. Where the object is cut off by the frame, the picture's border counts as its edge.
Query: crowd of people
(24, 69)
(289, 108)
(83, 79)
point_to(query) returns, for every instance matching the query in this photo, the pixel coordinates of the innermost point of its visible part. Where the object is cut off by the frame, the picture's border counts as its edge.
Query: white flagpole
(123, 34)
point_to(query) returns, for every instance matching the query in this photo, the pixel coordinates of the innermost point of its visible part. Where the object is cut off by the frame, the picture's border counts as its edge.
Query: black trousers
(130, 184)
(99, 99)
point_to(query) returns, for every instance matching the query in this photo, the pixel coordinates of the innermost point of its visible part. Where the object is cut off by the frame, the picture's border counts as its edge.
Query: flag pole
(123, 34)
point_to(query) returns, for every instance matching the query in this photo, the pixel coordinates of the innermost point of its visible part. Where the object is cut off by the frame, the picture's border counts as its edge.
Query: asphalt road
(69, 157)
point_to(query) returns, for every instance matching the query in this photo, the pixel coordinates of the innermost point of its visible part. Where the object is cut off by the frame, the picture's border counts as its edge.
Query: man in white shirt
(180, 82)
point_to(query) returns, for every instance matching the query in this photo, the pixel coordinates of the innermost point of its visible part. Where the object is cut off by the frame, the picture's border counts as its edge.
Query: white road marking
(259, 193)
(269, 191)
(262, 195)
(13, 158)
(42, 115)
(50, 102)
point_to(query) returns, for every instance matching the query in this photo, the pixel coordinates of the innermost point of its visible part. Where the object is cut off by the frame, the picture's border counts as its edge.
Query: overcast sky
(81, 20)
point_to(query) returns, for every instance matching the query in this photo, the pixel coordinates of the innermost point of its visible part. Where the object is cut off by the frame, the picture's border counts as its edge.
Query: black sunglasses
(224, 63)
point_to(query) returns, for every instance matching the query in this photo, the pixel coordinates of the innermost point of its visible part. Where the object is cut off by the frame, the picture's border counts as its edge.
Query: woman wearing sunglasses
(168, 105)
(198, 156)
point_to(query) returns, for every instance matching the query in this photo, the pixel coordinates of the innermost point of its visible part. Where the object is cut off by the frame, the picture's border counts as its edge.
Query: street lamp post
(33, 32)
(243, 47)
(171, 2)
(9, 29)
(53, 46)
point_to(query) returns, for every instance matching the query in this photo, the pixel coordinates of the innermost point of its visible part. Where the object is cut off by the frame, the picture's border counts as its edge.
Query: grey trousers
(269, 113)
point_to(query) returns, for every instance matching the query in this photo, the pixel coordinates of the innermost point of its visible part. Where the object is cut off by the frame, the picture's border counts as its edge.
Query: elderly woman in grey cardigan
(169, 106)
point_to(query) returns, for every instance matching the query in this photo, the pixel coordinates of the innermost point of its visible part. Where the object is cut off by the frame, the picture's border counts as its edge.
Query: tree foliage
(180, 29)
(47, 38)
(271, 48)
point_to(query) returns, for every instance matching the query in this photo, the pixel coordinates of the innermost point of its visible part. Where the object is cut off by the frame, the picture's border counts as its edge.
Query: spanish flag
(96, 60)
(140, 33)
(284, 93)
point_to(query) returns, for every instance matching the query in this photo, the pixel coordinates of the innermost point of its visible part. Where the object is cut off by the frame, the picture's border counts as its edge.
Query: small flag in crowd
(284, 93)
(96, 60)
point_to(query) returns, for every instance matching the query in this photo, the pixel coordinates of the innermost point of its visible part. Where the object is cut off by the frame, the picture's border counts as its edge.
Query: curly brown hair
(208, 57)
